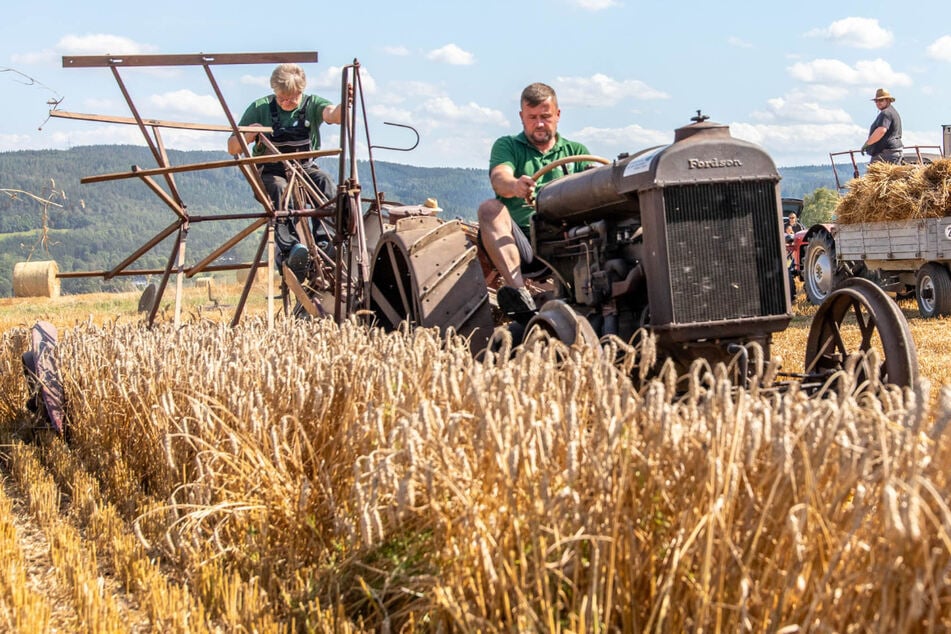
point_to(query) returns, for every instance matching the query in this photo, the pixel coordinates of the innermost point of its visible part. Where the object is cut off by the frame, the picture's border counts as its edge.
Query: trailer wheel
(426, 274)
(933, 290)
(821, 272)
(855, 318)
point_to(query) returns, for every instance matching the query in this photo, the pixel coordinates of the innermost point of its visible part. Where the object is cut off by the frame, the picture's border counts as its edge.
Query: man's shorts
(530, 266)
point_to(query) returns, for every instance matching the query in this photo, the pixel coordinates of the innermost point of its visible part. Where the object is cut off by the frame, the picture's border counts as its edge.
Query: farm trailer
(903, 257)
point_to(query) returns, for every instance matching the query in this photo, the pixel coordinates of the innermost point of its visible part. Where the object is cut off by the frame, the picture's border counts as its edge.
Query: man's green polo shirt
(525, 159)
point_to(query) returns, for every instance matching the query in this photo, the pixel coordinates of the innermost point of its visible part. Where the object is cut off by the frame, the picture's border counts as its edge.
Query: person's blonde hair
(288, 79)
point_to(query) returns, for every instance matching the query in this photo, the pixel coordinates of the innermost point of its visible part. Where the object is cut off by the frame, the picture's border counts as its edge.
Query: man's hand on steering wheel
(580, 158)
(525, 187)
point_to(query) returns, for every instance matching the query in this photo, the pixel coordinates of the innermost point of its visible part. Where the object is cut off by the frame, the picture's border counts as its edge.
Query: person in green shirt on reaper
(295, 119)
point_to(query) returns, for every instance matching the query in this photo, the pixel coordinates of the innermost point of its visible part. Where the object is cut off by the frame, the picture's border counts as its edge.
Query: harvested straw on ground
(36, 279)
(898, 192)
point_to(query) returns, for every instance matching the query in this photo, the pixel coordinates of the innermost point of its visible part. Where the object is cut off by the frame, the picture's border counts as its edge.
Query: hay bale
(36, 279)
(209, 283)
(898, 192)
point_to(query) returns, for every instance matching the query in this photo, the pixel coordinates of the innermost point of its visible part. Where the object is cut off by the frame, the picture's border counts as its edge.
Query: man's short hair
(288, 79)
(535, 94)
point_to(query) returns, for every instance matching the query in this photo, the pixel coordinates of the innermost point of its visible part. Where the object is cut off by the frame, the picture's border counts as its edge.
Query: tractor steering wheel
(580, 158)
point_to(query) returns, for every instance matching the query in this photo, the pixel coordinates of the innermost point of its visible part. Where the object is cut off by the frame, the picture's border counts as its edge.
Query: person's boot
(296, 261)
(517, 303)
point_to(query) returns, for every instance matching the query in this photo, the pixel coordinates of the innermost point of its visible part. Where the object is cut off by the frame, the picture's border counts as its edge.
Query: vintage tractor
(684, 242)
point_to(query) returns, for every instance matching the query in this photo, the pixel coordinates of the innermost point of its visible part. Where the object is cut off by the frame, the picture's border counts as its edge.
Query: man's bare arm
(505, 184)
(234, 146)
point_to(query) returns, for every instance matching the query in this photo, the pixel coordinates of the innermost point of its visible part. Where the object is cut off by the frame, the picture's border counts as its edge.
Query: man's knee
(489, 210)
(323, 182)
(274, 186)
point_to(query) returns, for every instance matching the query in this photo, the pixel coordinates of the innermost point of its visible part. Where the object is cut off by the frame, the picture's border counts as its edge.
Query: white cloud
(92, 44)
(411, 90)
(457, 150)
(389, 113)
(94, 104)
(451, 54)
(99, 135)
(820, 92)
(609, 142)
(594, 5)
(940, 49)
(12, 142)
(399, 51)
(198, 140)
(601, 90)
(325, 83)
(797, 144)
(876, 72)
(188, 103)
(328, 78)
(101, 44)
(263, 81)
(800, 107)
(855, 32)
(444, 109)
(738, 43)
(46, 56)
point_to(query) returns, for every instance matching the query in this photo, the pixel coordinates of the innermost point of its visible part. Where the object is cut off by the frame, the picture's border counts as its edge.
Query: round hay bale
(147, 301)
(207, 283)
(36, 279)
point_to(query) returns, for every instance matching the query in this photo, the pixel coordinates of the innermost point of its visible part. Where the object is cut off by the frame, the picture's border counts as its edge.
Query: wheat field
(323, 478)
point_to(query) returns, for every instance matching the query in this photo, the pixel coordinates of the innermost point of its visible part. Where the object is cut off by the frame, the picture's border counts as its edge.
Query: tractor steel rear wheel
(855, 318)
(426, 274)
(933, 290)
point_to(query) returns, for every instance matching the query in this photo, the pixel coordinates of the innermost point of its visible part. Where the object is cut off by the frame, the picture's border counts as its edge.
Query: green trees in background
(819, 206)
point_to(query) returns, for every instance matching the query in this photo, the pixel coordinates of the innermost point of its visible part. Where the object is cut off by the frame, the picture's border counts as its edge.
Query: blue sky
(794, 77)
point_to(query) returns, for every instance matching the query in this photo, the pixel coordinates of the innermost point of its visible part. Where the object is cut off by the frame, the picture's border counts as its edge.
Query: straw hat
(881, 93)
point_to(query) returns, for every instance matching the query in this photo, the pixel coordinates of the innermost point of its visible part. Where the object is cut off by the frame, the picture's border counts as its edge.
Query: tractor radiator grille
(724, 251)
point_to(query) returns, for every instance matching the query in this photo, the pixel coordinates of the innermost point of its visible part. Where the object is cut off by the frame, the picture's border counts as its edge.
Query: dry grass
(317, 478)
(898, 192)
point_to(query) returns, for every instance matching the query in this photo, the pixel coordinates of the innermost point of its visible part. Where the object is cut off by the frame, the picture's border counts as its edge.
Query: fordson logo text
(696, 164)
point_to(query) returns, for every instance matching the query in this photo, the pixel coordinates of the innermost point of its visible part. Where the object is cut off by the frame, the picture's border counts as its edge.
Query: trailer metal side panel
(925, 239)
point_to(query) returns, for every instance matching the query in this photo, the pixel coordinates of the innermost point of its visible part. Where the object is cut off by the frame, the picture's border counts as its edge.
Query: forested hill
(100, 224)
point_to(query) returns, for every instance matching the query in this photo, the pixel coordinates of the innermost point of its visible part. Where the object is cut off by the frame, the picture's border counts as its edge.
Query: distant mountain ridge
(100, 224)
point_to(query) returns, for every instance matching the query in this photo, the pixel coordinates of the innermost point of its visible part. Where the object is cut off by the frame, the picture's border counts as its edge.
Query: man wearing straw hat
(884, 136)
